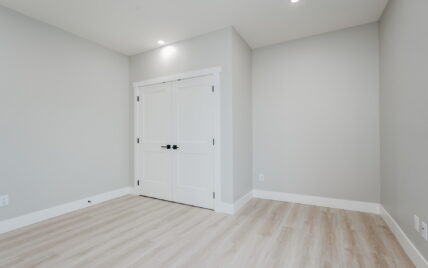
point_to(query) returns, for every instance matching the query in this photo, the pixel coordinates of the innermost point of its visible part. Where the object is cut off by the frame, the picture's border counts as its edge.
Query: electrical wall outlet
(261, 177)
(416, 223)
(4, 200)
(424, 230)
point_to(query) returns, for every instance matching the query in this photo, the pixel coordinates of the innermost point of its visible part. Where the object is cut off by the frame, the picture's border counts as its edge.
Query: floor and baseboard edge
(319, 201)
(242, 201)
(231, 209)
(226, 208)
(45, 214)
(410, 249)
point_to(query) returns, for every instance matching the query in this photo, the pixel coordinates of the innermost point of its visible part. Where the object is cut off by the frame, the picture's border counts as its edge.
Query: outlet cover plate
(424, 230)
(416, 223)
(4, 200)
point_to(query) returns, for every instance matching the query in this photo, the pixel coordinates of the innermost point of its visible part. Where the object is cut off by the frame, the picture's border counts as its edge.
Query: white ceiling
(133, 26)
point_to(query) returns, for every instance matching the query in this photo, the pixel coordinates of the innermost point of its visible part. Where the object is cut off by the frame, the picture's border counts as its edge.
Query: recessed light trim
(161, 42)
(294, 1)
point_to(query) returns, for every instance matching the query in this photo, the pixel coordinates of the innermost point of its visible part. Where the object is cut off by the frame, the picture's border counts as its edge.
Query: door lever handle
(168, 146)
(175, 147)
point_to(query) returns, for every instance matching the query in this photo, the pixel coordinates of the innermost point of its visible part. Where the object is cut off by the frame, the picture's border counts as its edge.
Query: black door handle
(168, 146)
(175, 147)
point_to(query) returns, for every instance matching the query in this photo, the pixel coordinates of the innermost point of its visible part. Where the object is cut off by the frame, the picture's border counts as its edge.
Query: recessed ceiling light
(161, 42)
(294, 1)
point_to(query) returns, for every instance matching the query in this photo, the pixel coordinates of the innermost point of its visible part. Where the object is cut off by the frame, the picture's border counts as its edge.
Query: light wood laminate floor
(136, 231)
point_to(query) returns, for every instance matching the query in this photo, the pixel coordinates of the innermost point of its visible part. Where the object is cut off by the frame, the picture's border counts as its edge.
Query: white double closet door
(175, 122)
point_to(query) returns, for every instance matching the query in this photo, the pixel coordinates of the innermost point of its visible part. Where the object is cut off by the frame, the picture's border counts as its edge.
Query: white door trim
(217, 126)
(198, 73)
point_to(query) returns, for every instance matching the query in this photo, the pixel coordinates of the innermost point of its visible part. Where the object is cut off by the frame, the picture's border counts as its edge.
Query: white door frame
(215, 72)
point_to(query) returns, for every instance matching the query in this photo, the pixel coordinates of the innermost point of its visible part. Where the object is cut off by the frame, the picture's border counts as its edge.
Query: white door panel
(194, 110)
(155, 128)
(156, 112)
(194, 180)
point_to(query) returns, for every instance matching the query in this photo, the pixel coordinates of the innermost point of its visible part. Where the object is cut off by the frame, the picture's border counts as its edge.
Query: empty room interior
(227, 133)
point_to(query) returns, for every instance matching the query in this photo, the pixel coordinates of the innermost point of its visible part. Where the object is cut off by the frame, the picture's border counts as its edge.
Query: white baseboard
(319, 201)
(414, 254)
(242, 201)
(231, 209)
(223, 207)
(41, 215)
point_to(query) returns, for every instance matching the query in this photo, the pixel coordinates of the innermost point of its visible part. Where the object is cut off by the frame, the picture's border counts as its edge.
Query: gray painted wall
(242, 117)
(64, 116)
(404, 114)
(316, 118)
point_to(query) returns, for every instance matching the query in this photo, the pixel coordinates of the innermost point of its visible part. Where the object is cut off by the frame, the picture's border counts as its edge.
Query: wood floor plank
(134, 231)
